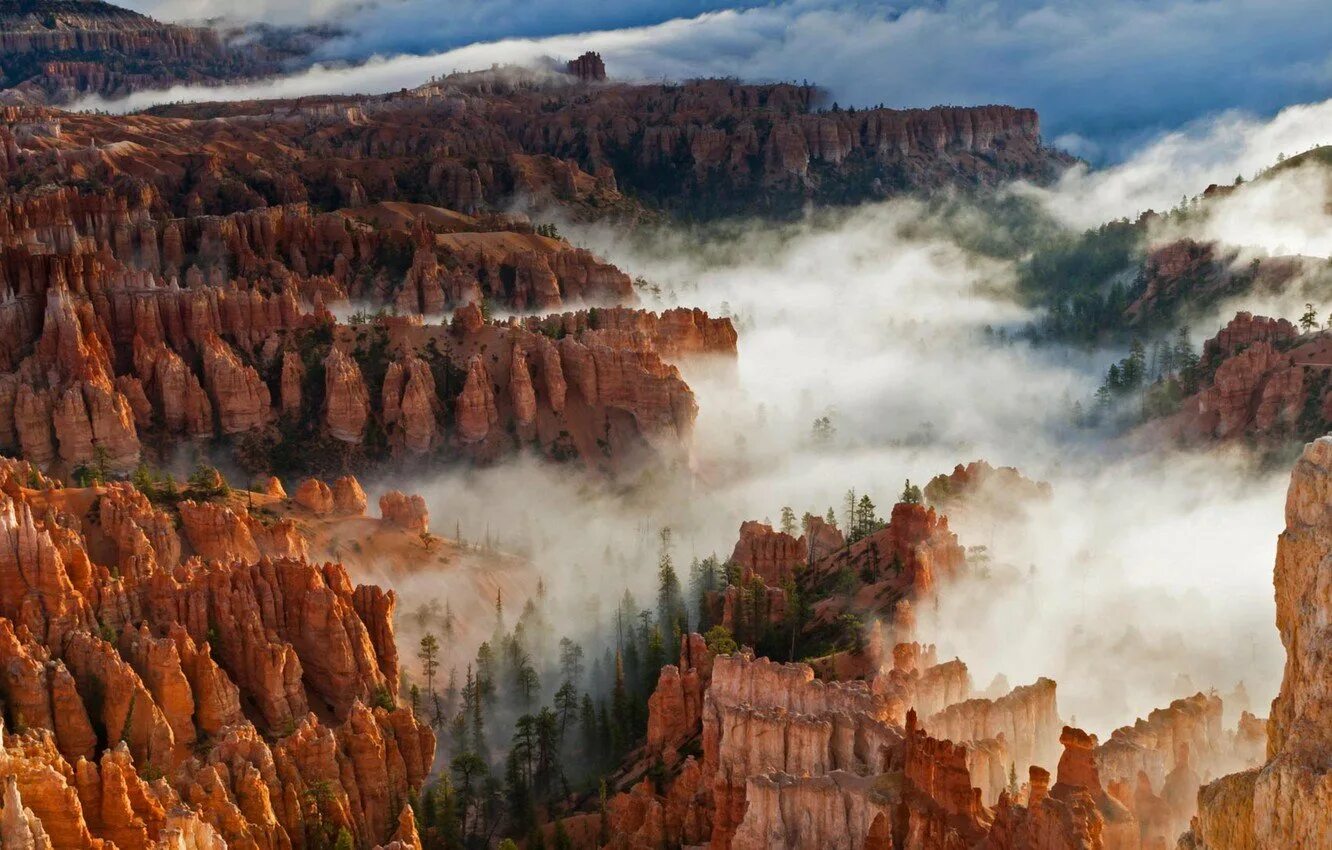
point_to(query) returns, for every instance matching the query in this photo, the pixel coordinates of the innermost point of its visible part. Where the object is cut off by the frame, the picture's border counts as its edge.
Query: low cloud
(1142, 580)
(1106, 76)
(1184, 162)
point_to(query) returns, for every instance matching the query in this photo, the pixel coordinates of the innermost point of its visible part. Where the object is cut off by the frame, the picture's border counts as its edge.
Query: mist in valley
(1146, 577)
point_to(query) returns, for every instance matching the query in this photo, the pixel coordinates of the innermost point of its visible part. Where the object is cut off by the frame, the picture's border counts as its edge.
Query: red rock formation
(411, 406)
(1245, 330)
(346, 400)
(475, 412)
(406, 512)
(522, 396)
(675, 709)
(239, 395)
(1258, 379)
(771, 555)
(1203, 273)
(1287, 802)
(279, 637)
(1027, 719)
(293, 376)
(231, 350)
(315, 496)
(789, 761)
(589, 68)
(980, 486)
(348, 497)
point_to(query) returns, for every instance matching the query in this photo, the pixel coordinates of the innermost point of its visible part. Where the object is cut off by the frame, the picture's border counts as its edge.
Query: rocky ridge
(106, 345)
(55, 52)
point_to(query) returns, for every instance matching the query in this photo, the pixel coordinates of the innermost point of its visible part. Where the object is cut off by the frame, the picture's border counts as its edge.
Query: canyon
(268, 368)
(179, 673)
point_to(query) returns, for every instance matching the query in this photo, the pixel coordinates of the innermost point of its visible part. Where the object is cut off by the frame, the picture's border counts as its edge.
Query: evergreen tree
(518, 792)
(547, 778)
(911, 494)
(429, 657)
(621, 711)
(444, 810)
(654, 658)
(566, 706)
(788, 521)
(605, 733)
(485, 673)
(704, 580)
(1309, 319)
(587, 730)
(866, 520)
(670, 602)
(719, 641)
(1133, 368)
(571, 663)
(469, 773)
(477, 740)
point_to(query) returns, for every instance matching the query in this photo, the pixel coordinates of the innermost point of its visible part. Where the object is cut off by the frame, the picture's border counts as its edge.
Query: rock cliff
(1287, 802)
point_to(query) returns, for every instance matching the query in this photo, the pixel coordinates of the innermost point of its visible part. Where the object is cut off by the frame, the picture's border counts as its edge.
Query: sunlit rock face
(233, 674)
(1288, 801)
(128, 327)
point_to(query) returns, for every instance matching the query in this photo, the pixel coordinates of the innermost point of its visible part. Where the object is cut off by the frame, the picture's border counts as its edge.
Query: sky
(1108, 76)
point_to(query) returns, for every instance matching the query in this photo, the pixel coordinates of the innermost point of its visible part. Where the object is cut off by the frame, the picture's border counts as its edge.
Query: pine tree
(499, 616)
(566, 706)
(621, 719)
(429, 656)
(518, 791)
(470, 773)
(605, 733)
(477, 740)
(670, 602)
(654, 658)
(866, 520)
(571, 663)
(1134, 366)
(704, 581)
(911, 494)
(587, 729)
(445, 814)
(547, 776)
(788, 521)
(1309, 320)
(485, 673)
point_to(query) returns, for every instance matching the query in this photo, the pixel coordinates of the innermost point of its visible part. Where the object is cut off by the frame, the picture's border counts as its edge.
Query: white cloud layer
(1186, 161)
(1105, 75)
(877, 319)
